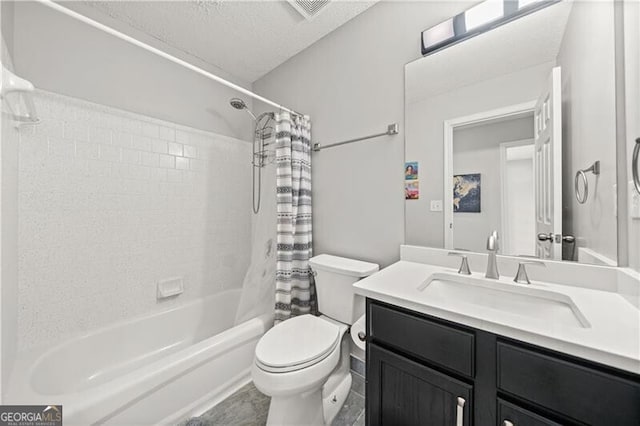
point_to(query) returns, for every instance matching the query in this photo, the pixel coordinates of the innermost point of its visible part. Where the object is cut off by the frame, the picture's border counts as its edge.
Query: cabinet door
(403, 392)
(570, 388)
(512, 415)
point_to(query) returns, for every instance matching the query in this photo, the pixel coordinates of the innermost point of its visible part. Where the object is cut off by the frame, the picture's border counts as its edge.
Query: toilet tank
(334, 278)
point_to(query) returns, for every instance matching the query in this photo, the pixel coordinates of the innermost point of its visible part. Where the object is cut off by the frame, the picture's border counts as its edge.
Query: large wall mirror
(514, 130)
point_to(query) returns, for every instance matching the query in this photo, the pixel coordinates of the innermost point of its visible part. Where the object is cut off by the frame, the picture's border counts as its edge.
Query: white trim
(504, 222)
(587, 255)
(557, 159)
(55, 6)
(449, 125)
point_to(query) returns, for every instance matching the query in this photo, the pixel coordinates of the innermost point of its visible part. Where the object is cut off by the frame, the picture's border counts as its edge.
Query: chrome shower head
(239, 104)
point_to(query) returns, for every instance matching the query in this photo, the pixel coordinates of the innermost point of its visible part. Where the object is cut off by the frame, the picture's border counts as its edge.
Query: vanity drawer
(434, 341)
(573, 390)
(512, 415)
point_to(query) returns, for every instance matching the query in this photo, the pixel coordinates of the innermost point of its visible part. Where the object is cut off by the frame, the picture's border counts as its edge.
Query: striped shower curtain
(294, 288)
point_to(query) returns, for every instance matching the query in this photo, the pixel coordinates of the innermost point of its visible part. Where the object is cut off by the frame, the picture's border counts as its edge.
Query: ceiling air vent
(308, 8)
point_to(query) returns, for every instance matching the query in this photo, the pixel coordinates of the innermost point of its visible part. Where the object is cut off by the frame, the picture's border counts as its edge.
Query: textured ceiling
(244, 38)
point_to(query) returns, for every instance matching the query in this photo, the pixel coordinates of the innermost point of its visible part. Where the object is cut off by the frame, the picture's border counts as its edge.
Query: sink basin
(514, 299)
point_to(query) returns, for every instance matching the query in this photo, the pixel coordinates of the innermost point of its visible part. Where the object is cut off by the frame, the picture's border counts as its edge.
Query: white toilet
(303, 363)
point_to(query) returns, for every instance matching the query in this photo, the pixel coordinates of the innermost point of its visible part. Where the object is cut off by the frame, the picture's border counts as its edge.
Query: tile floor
(249, 407)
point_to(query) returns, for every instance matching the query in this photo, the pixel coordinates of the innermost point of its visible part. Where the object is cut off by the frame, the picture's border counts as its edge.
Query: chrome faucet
(492, 264)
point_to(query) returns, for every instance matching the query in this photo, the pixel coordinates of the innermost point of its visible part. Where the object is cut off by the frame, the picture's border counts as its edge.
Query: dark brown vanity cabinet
(423, 370)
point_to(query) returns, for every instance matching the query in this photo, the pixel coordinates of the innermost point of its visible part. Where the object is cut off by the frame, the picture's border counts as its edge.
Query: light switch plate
(436, 205)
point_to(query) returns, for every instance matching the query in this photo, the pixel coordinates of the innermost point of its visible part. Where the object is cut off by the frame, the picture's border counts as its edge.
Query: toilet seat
(296, 344)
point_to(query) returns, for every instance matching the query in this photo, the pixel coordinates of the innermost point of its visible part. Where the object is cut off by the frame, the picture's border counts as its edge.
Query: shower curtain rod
(149, 48)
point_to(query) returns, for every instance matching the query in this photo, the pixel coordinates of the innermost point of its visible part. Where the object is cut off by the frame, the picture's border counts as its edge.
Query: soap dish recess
(169, 287)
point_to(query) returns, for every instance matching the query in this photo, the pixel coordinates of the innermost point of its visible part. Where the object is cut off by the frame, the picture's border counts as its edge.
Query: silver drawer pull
(460, 412)
(507, 423)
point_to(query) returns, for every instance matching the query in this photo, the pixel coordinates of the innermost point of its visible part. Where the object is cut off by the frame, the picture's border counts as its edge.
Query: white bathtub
(155, 369)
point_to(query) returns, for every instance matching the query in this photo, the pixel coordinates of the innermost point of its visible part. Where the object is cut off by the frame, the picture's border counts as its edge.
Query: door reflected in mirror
(506, 192)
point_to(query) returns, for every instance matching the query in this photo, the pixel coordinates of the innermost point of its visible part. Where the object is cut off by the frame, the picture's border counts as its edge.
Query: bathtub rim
(105, 398)
(40, 354)
(43, 350)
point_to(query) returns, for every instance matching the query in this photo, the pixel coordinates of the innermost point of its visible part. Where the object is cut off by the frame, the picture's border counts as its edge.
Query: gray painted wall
(65, 56)
(589, 124)
(6, 25)
(351, 82)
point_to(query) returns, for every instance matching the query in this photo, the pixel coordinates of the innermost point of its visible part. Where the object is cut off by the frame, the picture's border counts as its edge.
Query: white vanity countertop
(613, 337)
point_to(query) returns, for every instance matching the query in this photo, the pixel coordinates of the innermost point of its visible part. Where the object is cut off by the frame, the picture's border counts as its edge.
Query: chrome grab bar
(582, 175)
(634, 165)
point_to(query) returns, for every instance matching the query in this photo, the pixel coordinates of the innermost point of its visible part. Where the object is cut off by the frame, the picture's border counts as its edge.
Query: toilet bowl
(303, 363)
(299, 375)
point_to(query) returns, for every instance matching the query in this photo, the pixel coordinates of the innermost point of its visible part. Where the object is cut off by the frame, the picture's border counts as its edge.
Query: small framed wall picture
(466, 193)
(411, 184)
(411, 190)
(411, 170)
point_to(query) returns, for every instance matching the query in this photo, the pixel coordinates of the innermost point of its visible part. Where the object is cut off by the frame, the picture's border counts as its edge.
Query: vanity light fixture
(483, 14)
(476, 20)
(439, 34)
(526, 3)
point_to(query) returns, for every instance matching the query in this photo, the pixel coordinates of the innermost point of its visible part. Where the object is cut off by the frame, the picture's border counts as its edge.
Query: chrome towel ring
(583, 195)
(634, 165)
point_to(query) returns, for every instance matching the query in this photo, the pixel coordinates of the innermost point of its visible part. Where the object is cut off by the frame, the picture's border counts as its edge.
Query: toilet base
(297, 410)
(309, 408)
(333, 402)
(318, 406)
(337, 387)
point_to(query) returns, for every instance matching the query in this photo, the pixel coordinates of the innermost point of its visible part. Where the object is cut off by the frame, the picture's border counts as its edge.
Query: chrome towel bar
(582, 175)
(392, 129)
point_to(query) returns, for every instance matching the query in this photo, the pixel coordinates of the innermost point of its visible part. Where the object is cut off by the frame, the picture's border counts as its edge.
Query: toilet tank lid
(342, 265)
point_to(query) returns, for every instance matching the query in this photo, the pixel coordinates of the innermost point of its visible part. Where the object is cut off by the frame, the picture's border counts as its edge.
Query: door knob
(545, 237)
(557, 238)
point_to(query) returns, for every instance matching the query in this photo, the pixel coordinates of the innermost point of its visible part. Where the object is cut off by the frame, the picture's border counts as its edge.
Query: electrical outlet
(436, 205)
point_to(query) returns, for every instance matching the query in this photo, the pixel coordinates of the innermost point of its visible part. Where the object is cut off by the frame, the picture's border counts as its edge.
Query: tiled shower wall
(111, 202)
